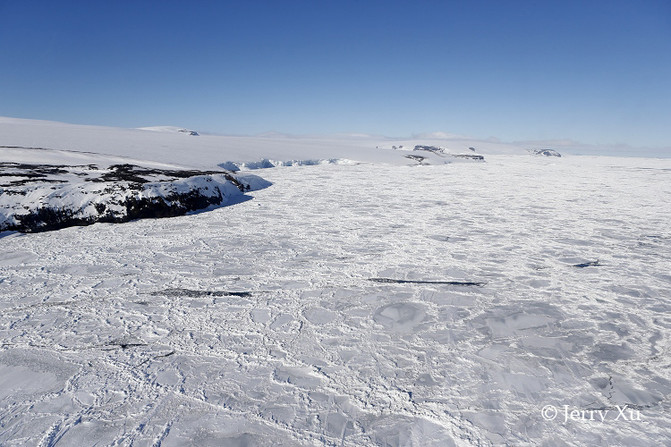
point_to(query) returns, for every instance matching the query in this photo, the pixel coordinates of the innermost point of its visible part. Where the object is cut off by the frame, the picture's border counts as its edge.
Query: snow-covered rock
(171, 129)
(425, 155)
(266, 163)
(36, 197)
(546, 152)
(434, 149)
(169, 146)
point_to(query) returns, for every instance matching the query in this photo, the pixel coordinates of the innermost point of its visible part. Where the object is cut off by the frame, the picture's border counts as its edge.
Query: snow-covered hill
(167, 145)
(171, 129)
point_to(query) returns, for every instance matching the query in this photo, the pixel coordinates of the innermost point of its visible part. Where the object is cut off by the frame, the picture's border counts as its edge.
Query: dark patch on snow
(139, 174)
(28, 173)
(126, 343)
(418, 158)
(168, 206)
(47, 219)
(434, 149)
(588, 264)
(130, 345)
(171, 205)
(439, 237)
(115, 173)
(441, 152)
(408, 281)
(470, 156)
(546, 152)
(198, 293)
(193, 133)
(127, 192)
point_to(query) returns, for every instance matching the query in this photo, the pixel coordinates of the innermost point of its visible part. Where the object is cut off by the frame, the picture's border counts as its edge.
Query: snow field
(258, 324)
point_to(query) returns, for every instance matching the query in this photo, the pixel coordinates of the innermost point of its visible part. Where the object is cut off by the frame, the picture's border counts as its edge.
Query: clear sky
(594, 71)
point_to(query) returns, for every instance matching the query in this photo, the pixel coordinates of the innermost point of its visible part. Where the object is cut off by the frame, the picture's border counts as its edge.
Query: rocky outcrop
(418, 158)
(434, 149)
(442, 153)
(546, 152)
(37, 198)
(470, 157)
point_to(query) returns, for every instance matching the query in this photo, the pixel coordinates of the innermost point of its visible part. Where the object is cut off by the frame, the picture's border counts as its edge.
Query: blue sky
(594, 71)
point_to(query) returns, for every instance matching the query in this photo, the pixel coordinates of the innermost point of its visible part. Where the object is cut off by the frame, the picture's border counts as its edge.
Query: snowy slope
(165, 145)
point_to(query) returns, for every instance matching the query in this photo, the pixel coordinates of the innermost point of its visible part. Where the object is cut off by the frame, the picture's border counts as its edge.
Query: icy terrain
(355, 305)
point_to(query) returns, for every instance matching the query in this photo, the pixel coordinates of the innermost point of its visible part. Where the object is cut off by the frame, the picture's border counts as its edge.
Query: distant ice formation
(546, 152)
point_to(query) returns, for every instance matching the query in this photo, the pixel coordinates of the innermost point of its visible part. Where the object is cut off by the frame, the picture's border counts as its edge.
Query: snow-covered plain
(336, 308)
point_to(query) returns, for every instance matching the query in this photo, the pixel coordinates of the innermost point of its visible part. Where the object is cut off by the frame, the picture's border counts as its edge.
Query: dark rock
(198, 293)
(418, 158)
(408, 281)
(139, 174)
(546, 152)
(588, 264)
(434, 149)
(127, 192)
(47, 219)
(470, 157)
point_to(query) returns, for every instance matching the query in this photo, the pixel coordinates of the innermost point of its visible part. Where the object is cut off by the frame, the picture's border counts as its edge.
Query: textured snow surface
(259, 324)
